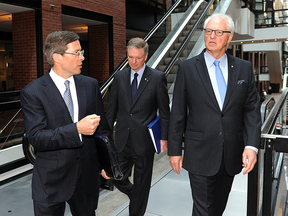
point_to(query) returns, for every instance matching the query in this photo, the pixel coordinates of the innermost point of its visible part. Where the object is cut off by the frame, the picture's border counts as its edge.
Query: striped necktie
(68, 99)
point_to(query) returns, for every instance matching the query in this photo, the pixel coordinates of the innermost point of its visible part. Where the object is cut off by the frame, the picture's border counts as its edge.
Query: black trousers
(81, 203)
(138, 192)
(210, 193)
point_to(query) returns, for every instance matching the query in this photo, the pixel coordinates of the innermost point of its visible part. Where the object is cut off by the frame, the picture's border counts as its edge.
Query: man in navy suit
(133, 113)
(222, 125)
(63, 111)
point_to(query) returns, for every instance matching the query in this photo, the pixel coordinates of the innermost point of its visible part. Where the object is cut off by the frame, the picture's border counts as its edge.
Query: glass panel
(6, 67)
(11, 132)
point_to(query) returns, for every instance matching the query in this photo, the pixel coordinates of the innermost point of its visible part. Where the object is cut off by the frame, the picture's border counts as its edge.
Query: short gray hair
(56, 42)
(229, 21)
(138, 43)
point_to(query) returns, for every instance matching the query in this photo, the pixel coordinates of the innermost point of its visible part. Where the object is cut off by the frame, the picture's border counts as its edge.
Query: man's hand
(176, 163)
(163, 144)
(103, 173)
(251, 156)
(88, 124)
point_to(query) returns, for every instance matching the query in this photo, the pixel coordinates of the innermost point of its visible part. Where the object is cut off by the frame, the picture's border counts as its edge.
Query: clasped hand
(88, 124)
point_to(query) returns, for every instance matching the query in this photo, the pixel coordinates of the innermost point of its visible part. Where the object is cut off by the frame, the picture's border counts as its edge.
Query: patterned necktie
(220, 81)
(134, 86)
(68, 99)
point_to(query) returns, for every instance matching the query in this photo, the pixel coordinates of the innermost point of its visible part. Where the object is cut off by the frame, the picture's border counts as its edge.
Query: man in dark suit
(133, 114)
(63, 110)
(222, 125)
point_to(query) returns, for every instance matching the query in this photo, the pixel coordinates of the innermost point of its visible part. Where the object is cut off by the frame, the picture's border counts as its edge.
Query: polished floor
(170, 196)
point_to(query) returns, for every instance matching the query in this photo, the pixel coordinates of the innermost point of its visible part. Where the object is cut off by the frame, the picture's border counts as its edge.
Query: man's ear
(57, 58)
(230, 37)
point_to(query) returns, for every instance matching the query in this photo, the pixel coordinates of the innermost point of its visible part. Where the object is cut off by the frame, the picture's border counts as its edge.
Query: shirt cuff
(253, 148)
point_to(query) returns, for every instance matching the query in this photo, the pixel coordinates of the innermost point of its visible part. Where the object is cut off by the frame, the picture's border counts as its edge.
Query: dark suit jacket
(210, 132)
(133, 118)
(55, 138)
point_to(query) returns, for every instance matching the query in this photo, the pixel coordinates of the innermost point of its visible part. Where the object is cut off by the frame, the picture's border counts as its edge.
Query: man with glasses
(63, 111)
(222, 125)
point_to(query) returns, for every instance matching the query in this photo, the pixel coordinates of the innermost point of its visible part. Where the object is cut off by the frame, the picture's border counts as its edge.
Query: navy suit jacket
(133, 118)
(209, 132)
(53, 135)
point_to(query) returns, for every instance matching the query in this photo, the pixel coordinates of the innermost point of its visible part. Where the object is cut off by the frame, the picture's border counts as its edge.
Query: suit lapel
(143, 83)
(81, 95)
(204, 76)
(54, 95)
(232, 75)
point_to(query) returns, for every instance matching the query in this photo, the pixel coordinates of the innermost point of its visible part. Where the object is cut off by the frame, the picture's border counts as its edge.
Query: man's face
(71, 64)
(216, 45)
(136, 58)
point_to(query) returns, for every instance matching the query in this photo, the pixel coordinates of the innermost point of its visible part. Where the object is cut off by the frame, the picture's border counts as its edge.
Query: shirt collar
(140, 72)
(60, 80)
(210, 59)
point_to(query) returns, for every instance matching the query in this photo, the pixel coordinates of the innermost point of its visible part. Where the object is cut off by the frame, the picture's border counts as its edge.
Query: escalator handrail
(10, 121)
(187, 39)
(267, 126)
(124, 63)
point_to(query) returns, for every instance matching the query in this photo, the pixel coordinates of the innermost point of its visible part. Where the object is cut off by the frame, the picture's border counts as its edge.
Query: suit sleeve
(112, 104)
(35, 119)
(178, 115)
(104, 129)
(252, 116)
(163, 105)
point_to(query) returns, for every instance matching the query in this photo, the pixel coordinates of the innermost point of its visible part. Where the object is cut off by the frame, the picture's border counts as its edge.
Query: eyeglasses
(217, 32)
(78, 54)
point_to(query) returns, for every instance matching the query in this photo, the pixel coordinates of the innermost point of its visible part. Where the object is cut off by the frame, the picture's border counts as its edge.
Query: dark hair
(138, 43)
(56, 42)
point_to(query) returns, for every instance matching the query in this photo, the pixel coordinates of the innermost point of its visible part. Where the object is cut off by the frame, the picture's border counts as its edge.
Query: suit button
(220, 133)
(222, 115)
(128, 128)
(77, 158)
(130, 114)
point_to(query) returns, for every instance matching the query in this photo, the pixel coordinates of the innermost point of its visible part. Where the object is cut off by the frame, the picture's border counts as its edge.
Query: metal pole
(267, 182)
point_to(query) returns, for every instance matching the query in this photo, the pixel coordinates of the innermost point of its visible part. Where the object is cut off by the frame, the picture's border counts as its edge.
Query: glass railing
(269, 197)
(268, 19)
(11, 120)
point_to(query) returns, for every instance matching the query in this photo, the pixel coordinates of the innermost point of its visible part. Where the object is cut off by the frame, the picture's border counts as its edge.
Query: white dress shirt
(139, 77)
(59, 82)
(211, 70)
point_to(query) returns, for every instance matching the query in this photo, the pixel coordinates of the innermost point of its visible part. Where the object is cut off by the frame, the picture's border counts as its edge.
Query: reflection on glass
(11, 128)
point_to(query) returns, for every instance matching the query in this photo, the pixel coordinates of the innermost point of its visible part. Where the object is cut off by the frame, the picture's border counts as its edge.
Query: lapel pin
(146, 79)
(231, 66)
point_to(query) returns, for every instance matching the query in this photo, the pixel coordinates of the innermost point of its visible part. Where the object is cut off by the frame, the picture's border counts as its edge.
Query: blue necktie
(220, 81)
(134, 86)
(68, 99)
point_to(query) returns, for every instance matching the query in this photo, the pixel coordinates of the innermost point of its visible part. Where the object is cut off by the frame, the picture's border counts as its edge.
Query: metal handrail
(269, 122)
(271, 143)
(124, 63)
(264, 107)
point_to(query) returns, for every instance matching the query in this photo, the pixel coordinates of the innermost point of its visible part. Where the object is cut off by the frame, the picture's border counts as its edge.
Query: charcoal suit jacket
(134, 117)
(212, 134)
(60, 152)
